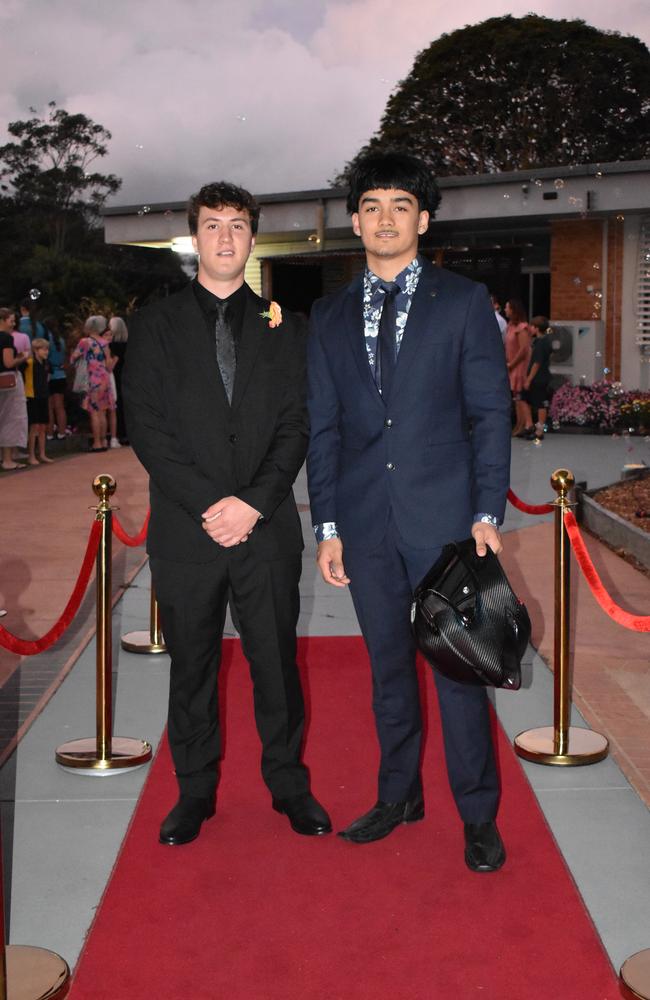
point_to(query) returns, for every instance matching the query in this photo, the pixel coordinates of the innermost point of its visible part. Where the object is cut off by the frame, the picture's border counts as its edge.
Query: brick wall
(576, 247)
(583, 285)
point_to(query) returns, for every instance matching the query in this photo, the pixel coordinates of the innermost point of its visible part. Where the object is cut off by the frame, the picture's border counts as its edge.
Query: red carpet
(251, 911)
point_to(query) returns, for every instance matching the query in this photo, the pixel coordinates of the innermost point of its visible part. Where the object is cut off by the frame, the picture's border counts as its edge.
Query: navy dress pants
(382, 583)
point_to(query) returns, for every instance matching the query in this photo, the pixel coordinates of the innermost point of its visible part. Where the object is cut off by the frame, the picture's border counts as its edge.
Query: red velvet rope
(540, 508)
(27, 647)
(131, 540)
(635, 622)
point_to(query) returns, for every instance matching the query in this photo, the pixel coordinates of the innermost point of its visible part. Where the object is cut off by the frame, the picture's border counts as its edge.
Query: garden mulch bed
(630, 499)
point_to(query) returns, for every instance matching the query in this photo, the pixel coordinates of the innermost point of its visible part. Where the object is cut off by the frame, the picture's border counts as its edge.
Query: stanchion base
(635, 976)
(35, 974)
(82, 757)
(584, 746)
(140, 642)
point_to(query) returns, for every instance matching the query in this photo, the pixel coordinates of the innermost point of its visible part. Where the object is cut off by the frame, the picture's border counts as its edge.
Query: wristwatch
(483, 518)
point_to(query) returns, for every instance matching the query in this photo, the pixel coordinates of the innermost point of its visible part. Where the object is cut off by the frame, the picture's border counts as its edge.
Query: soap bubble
(599, 354)
(34, 294)
(506, 196)
(558, 184)
(606, 371)
(139, 145)
(577, 281)
(596, 266)
(556, 425)
(620, 218)
(168, 213)
(241, 118)
(538, 183)
(145, 209)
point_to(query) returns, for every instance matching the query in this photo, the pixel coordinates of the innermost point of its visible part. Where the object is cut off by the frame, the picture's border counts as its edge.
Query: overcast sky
(273, 94)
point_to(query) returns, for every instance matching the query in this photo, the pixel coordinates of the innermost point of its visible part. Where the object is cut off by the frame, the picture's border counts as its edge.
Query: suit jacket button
(388, 422)
(232, 438)
(390, 466)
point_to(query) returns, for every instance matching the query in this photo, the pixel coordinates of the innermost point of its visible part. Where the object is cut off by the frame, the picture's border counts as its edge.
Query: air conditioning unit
(578, 349)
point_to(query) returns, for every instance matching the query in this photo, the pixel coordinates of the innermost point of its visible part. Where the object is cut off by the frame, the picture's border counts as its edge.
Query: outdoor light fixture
(183, 244)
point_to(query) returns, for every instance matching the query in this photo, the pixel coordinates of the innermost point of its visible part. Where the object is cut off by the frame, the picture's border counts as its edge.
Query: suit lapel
(355, 329)
(253, 329)
(423, 307)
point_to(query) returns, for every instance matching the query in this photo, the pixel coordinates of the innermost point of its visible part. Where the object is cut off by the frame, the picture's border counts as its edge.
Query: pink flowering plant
(604, 405)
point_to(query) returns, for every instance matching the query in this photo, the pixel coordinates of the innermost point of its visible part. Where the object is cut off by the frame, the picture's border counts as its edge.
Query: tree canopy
(519, 93)
(51, 238)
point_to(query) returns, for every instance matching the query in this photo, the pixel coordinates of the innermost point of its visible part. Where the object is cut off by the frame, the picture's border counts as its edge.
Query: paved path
(62, 831)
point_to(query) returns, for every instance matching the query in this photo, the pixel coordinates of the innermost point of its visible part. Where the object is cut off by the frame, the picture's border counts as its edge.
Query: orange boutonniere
(273, 314)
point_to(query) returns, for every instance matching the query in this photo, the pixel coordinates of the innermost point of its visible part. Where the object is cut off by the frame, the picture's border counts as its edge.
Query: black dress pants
(193, 598)
(382, 583)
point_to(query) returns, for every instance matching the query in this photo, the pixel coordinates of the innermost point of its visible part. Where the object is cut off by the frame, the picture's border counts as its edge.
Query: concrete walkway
(62, 831)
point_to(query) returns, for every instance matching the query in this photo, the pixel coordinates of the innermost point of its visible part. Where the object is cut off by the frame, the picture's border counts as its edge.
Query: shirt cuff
(326, 531)
(486, 519)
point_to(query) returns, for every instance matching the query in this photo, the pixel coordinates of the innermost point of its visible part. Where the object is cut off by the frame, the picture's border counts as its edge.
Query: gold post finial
(104, 487)
(562, 481)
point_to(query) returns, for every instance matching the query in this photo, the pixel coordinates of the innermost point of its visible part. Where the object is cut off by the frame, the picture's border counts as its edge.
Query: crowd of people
(41, 379)
(528, 348)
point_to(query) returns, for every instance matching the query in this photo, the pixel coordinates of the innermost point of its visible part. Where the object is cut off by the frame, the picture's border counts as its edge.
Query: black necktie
(225, 344)
(386, 346)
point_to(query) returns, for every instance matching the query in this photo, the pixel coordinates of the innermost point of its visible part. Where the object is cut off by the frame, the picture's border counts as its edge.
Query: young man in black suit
(214, 387)
(410, 449)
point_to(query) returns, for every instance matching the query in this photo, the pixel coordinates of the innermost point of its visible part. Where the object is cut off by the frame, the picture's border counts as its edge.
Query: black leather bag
(467, 621)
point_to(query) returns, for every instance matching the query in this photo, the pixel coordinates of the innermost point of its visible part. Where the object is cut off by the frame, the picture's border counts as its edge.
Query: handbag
(80, 383)
(8, 380)
(467, 621)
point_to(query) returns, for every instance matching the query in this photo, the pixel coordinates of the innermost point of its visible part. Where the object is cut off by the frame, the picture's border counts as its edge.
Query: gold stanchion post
(26, 972)
(105, 754)
(147, 642)
(560, 743)
(635, 976)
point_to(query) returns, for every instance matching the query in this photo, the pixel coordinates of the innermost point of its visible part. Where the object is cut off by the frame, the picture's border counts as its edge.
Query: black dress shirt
(235, 312)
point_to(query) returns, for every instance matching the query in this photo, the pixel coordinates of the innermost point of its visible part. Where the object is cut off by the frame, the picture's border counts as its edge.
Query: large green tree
(519, 93)
(51, 236)
(49, 169)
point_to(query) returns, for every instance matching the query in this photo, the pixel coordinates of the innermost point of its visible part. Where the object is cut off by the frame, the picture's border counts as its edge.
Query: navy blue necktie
(386, 344)
(225, 345)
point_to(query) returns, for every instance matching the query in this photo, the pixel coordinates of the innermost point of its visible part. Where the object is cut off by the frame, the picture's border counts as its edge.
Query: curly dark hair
(399, 171)
(221, 194)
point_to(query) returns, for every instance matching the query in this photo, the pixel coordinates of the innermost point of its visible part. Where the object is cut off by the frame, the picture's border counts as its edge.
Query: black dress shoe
(484, 850)
(184, 821)
(306, 815)
(382, 820)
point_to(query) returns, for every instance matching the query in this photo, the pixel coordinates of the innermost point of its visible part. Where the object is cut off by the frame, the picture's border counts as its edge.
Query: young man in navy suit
(410, 449)
(215, 391)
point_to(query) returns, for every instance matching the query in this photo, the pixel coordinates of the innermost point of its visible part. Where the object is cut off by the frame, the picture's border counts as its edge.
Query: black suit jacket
(195, 446)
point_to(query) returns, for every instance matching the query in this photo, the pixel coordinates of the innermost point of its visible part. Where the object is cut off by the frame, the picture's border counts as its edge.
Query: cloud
(273, 94)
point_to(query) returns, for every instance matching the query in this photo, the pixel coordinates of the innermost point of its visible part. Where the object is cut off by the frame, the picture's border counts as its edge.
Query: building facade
(573, 243)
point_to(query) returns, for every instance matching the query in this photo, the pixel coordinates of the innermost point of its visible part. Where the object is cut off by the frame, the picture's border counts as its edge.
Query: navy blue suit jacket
(438, 450)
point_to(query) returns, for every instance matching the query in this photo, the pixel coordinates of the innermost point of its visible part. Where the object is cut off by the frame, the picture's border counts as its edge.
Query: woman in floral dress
(99, 398)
